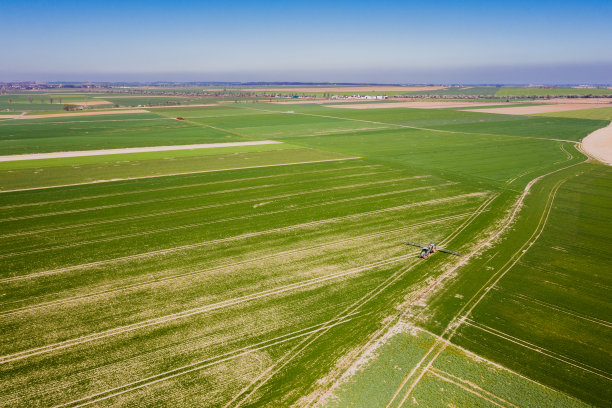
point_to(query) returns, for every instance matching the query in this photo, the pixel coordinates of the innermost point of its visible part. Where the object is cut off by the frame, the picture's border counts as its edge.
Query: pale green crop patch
(457, 378)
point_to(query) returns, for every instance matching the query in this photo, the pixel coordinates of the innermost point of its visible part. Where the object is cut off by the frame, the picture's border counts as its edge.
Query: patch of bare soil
(599, 144)
(530, 110)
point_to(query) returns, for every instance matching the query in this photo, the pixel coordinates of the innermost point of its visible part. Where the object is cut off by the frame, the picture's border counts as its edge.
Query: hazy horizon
(564, 42)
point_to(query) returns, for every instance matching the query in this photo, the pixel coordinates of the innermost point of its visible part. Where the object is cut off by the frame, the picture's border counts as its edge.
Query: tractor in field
(431, 248)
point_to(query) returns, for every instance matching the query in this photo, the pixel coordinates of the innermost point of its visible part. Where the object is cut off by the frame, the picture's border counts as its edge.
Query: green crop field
(595, 114)
(41, 102)
(512, 91)
(50, 101)
(278, 274)
(151, 100)
(105, 132)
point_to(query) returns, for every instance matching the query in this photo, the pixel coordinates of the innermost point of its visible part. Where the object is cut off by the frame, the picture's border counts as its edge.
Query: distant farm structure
(357, 96)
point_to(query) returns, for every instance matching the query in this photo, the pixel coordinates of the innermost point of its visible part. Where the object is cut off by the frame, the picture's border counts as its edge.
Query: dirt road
(81, 153)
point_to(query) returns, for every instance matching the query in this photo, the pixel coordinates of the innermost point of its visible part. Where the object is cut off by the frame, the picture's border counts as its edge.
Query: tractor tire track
(172, 373)
(234, 238)
(564, 310)
(195, 311)
(454, 325)
(187, 226)
(228, 181)
(183, 210)
(226, 266)
(256, 384)
(196, 195)
(199, 365)
(391, 321)
(174, 174)
(538, 349)
(245, 394)
(472, 388)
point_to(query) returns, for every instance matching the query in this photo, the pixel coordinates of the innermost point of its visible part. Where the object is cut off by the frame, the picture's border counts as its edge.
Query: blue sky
(335, 41)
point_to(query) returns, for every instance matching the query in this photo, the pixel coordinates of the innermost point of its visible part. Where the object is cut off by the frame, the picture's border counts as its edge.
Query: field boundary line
(194, 311)
(412, 127)
(176, 174)
(203, 117)
(235, 237)
(230, 265)
(480, 210)
(530, 241)
(490, 362)
(496, 277)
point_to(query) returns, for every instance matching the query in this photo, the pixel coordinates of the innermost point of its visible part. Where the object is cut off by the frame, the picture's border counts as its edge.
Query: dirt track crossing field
(38, 156)
(427, 361)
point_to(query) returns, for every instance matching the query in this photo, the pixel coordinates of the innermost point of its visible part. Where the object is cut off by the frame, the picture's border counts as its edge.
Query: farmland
(599, 113)
(512, 91)
(49, 101)
(277, 275)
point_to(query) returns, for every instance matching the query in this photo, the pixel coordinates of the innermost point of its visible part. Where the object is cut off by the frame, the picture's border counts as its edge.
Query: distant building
(357, 96)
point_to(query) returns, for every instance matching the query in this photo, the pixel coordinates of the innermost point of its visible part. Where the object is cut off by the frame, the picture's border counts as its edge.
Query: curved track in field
(413, 378)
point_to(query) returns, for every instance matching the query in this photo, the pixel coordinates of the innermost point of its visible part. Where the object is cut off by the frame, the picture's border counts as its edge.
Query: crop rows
(260, 277)
(150, 278)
